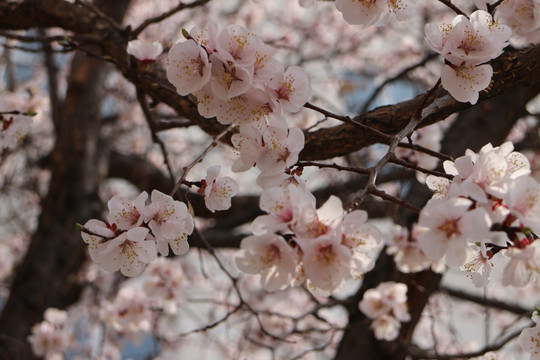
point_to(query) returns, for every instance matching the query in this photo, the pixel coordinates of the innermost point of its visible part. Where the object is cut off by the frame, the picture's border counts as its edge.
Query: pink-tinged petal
(188, 67)
(125, 213)
(109, 255)
(529, 339)
(179, 245)
(208, 104)
(465, 82)
(291, 89)
(228, 81)
(326, 262)
(361, 263)
(361, 12)
(402, 9)
(433, 247)
(99, 230)
(269, 255)
(330, 210)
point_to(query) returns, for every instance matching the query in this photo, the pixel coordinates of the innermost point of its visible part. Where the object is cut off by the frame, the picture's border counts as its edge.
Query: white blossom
(270, 256)
(218, 191)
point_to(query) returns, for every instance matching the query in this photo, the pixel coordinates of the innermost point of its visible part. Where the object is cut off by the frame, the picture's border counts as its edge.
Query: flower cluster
(369, 12)
(295, 242)
(490, 195)
(135, 232)
(235, 78)
(466, 45)
(386, 305)
(50, 339)
(523, 16)
(13, 129)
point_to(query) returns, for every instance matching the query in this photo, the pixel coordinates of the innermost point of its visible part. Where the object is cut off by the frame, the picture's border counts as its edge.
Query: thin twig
(181, 6)
(425, 151)
(399, 75)
(454, 7)
(357, 170)
(153, 129)
(101, 14)
(417, 353)
(199, 158)
(390, 154)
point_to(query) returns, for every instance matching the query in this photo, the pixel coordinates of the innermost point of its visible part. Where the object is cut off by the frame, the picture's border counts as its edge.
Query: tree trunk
(47, 276)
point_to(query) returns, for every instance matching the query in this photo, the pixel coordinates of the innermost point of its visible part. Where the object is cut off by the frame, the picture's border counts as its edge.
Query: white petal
(464, 82)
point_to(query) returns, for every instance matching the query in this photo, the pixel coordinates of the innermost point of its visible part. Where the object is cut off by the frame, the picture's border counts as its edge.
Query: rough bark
(47, 276)
(512, 70)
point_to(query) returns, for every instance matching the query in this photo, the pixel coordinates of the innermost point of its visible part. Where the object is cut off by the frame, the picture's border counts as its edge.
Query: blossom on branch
(217, 191)
(450, 225)
(465, 44)
(270, 256)
(136, 232)
(170, 223)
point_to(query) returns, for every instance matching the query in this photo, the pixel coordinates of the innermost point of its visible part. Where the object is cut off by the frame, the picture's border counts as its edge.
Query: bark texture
(46, 277)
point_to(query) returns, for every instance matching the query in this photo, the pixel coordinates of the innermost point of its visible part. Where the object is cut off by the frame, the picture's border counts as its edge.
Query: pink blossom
(465, 82)
(229, 80)
(217, 191)
(326, 262)
(408, 255)
(270, 256)
(284, 205)
(236, 45)
(387, 306)
(523, 16)
(373, 304)
(291, 89)
(126, 214)
(386, 327)
(129, 252)
(170, 223)
(130, 312)
(188, 68)
(450, 224)
(524, 265)
(478, 268)
(471, 41)
(369, 12)
(281, 149)
(248, 146)
(523, 199)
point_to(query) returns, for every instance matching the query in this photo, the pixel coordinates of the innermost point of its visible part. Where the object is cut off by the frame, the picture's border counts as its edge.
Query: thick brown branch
(513, 69)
